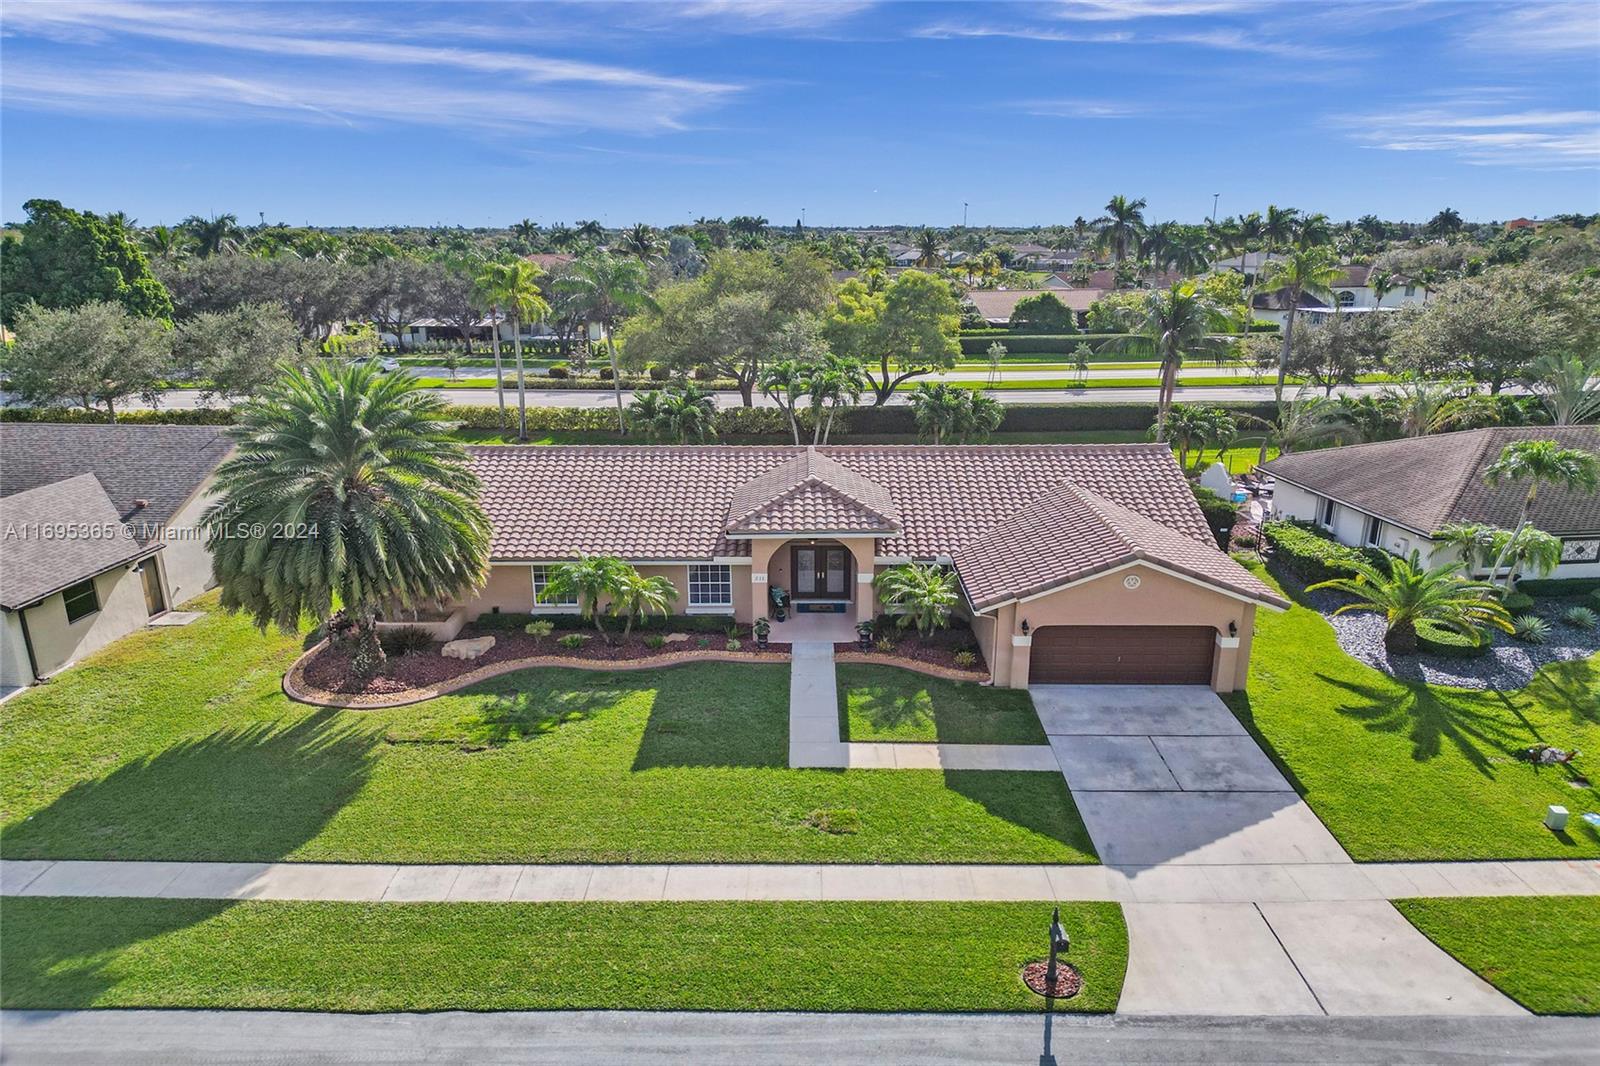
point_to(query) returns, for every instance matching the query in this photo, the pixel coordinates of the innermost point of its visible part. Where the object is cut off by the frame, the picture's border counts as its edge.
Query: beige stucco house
(1077, 563)
(99, 533)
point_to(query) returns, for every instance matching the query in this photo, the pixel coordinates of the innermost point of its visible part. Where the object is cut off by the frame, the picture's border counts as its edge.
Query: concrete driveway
(1166, 774)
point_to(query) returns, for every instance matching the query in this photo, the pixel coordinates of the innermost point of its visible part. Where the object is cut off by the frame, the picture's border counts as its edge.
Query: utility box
(1555, 818)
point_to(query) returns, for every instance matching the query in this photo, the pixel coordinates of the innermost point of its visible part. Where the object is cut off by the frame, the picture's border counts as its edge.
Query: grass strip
(80, 953)
(885, 703)
(1542, 951)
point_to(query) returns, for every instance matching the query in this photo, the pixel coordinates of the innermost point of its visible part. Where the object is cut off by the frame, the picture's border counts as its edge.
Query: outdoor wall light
(1024, 627)
(1233, 629)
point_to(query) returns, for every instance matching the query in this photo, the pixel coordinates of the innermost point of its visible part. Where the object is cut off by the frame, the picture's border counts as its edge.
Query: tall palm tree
(171, 243)
(1445, 224)
(1121, 226)
(589, 579)
(785, 382)
(1538, 463)
(1382, 283)
(634, 596)
(365, 463)
(918, 594)
(928, 248)
(589, 231)
(1313, 231)
(487, 285)
(526, 231)
(1178, 323)
(1410, 593)
(642, 242)
(519, 294)
(1277, 228)
(214, 235)
(1303, 272)
(607, 289)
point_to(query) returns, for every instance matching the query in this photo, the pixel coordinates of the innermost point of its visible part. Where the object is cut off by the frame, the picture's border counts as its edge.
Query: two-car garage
(1111, 655)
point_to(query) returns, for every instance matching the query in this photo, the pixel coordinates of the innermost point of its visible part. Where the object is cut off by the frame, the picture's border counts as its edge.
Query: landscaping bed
(423, 671)
(945, 649)
(798, 956)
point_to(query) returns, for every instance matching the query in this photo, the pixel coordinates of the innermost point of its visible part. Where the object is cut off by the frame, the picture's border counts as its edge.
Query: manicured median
(1542, 951)
(1402, 770)
(76, 953)
(178, 744)
(885, 703)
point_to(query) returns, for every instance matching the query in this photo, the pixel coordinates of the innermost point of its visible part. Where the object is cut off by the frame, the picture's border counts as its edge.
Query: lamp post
(1059, 943)
(1215, 198)
(964, 206)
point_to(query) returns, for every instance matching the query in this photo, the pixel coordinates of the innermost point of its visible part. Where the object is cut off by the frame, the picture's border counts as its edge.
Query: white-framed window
(541, 578)
(710, 585)
(1325, 512)
(1375, 532)
(81, 600)
(1347, 298)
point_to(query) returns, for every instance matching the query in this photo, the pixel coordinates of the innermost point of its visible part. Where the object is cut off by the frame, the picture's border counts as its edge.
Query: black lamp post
(1059, 943)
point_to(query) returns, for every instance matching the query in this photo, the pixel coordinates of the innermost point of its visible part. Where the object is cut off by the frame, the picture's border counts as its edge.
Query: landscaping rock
(676, 638)
(467, 649)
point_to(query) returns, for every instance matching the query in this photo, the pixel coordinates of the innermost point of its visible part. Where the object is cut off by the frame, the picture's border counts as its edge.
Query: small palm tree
(688, 412)
(1566, 385)
(635, 596)
(1538, 463)
(1472, 543)
(588, 580)
(1425, 406)
(364, 464)
(642, 242)
(785, 383)
(980, 416)
(937, 409)
(644, 413)
(1301, 421)
(1531, 549)
(918, 594)
(834, 384)
(1410, 593)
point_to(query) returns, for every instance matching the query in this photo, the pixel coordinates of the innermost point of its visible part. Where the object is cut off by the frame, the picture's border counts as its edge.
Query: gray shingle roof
(162, 465)
(1427, 483)
(57, 535)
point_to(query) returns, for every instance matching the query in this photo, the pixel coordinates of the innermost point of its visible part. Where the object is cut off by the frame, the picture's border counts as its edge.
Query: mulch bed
(1069, 982)
(937, 649)
(329, 669)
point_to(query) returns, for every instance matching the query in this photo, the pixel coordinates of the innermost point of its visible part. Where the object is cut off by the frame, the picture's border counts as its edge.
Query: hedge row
(674, 623)
(733, 421)
(1559, 587)
(1312, 555)
(1449, 644)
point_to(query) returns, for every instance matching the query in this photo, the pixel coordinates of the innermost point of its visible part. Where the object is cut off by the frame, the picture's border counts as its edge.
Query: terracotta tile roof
(997, 304)
(810, 492)
(1427, 483)
(1071, 533)
(673, 502)
(37, 562)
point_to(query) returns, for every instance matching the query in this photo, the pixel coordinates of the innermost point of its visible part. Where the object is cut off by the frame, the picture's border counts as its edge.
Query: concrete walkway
(1188, 885)
(815, 741)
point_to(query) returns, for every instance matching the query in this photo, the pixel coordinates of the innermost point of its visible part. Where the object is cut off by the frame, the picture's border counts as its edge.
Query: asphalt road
(576, 1038)
(187, 398)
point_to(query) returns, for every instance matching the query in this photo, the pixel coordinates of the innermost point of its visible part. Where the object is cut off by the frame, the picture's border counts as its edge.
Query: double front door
(821, 573)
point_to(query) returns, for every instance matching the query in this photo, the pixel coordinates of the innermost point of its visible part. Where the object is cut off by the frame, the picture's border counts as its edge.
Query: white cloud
(760, 16)
(1082, 108)
(1225, 39)
(1539, 29)
(1531, 138)
(1124, 10)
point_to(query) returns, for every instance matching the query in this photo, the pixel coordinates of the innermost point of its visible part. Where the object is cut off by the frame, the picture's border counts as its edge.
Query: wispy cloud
(1125, 10)
(1083, 108)
(1485, 129)
(1223, 39)
(1571, 26)
(763, 16)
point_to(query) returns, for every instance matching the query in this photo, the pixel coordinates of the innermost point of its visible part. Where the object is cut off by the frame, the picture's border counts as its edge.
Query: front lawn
(78, 953)
(1542, 951)
(1402, 770)
(178, 744)
(888, 703)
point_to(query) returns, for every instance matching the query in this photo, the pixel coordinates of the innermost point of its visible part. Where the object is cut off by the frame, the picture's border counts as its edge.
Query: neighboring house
(1078, 563)
(1351, 292)
(99, 532)
(1397, 494)
(996, 305)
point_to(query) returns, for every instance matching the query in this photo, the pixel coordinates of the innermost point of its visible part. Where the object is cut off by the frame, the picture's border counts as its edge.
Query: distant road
(189, 398)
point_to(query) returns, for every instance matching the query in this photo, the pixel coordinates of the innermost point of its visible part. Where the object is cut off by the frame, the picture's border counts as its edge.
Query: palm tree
(644, 413)
(1425, 406)
(526, 231)
(1567, 386)
(588, 580)
(589, 231)
(1538, 463)
(1446, 223)
(517, 290)
(1121, 226)
(1382, 283)
(1532, 549)
(915, 593)
(928, 248)
(1178, 323)
(784, 383)
(687, 412)
(487, 285)
(936, 409)
(1277, 229)
(633, 596)
(981, 415)
(1304, 272)
(1471, 542)
(749, 225)
(835, 383)
(365, 463)
(214, 235)
(642, 242)
(1312, 231)
(1191, 426)
(1304, 420)
(1410, 593)
(607, 289)
(167, 242)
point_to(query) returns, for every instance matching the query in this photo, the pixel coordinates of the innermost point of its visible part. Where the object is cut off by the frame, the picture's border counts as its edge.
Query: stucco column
(863, 551)
(761, 553)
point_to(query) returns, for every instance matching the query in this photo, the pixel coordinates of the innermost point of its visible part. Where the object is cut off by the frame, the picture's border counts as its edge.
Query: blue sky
(858, 113)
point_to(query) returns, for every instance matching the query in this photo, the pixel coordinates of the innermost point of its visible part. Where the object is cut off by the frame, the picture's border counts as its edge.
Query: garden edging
(295, 687)
(915, 665)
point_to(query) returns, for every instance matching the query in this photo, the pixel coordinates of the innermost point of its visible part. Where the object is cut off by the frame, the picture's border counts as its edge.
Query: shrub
(405, 640)
(1517, 601)
(574, 640)
(1310, 554)
(655, 641)
(1221, 515)
(539, 628)
(1437, 640)
(1560, 587)
(1043, 313)
(1530, 629)
(884, 644)
(1594, 598)
(559, 371)
(658, 372)
(966, 659)
(1582, 617)
(732, 645)
(606, 373)
(703, 373)
(836, 821)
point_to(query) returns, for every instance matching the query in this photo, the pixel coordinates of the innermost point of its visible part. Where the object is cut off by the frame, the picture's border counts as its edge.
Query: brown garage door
(1122, 655)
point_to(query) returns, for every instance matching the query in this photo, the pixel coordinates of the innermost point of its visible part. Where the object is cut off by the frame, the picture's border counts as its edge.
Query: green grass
(1542, 951)
(178, 744)
(78, 953)
(888, 703)
(1401, 770)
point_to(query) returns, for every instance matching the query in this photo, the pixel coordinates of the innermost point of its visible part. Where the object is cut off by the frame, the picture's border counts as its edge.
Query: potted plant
(864, 635)
(762, 630)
